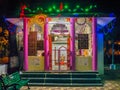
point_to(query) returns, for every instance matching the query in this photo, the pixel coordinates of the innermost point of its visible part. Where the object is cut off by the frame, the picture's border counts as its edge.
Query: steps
(63, 79)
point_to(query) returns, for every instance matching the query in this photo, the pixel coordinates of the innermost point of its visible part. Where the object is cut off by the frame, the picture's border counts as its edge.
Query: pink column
(46, 46)
(25, 30)
(94, 45)
(72, 42)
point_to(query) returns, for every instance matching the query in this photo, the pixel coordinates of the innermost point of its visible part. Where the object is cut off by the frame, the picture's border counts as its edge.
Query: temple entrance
(58, 44)
(59, 57)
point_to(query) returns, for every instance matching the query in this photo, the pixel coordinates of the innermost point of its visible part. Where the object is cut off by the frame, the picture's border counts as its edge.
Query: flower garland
(84, 21)
(81, 26)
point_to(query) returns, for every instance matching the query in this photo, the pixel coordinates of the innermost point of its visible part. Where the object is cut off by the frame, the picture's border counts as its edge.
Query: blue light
(111, 15)
(75, 14)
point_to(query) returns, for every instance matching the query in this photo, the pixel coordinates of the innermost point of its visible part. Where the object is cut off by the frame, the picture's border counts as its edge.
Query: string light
(66, 8)
(54, 7)
(77, 6)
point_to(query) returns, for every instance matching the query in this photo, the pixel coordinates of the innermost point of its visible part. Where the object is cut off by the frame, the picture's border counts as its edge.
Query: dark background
(10, 7)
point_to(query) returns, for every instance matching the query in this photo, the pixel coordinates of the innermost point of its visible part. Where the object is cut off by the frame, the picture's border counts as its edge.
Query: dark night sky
(9, 7)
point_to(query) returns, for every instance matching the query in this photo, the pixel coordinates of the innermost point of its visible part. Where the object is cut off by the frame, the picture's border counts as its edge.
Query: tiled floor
(109, 85)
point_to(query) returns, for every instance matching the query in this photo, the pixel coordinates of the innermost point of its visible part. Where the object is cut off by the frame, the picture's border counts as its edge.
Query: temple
(60, 43)
(70, 46)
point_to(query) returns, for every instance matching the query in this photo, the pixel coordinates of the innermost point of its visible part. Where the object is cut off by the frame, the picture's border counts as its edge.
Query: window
(83, 41)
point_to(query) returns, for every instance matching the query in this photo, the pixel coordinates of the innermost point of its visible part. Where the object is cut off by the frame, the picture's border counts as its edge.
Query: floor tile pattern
(109, 85)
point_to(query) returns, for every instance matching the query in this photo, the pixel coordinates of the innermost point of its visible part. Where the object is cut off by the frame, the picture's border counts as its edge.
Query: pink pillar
(94, 44)
(72, 43)
(46, 46)
(25, 30)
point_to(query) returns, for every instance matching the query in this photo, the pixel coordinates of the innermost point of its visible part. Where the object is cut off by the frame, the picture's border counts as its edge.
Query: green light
(54, 7)
(86, 10)
(45, 10)
(74, 10)
(26, 8)
(82, 9)
(66, 6)
(77, 6)
(57, 10)
(62, 10)
(69, 10)
(91, 6)
(29, 10)
(33, 11)
(52, 13)
(95, 6)
(38, 8)
(41, 9)
(50, 9)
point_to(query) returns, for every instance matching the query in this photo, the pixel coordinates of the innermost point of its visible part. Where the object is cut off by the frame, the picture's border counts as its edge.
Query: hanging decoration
(81, 21)
(61, 6)
(22, 8)
(54, 9)
(81, 24)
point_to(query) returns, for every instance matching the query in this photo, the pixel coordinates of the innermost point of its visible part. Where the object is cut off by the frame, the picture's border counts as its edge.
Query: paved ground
(109, 85)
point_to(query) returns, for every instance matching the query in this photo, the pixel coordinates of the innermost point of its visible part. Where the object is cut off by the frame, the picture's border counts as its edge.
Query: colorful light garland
(60, 9)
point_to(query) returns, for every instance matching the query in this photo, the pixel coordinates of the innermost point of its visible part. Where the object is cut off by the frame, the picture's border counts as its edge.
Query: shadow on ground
(112, 75)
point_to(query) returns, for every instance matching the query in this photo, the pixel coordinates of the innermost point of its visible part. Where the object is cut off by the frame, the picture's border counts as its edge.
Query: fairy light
(77, 6)
(65, 8)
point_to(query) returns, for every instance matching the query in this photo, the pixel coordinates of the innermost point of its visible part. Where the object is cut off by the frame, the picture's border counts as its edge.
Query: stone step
(66, 84)
(62, 79)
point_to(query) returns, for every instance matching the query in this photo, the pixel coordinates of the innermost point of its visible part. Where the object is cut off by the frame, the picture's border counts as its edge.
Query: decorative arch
(59, 29)
(38, 19)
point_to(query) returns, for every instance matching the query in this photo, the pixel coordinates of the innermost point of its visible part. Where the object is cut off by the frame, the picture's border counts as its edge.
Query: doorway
(59, 48)
(59, 53)
(59, 44)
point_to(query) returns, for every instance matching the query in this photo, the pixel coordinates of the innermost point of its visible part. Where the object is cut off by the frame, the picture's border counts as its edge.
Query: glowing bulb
(54, 7)
(69, 10)
(38, 8)
(86, 10)
(66, 6)
(78, 6)
(57, 10)
(50, 9)
(91, 6)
